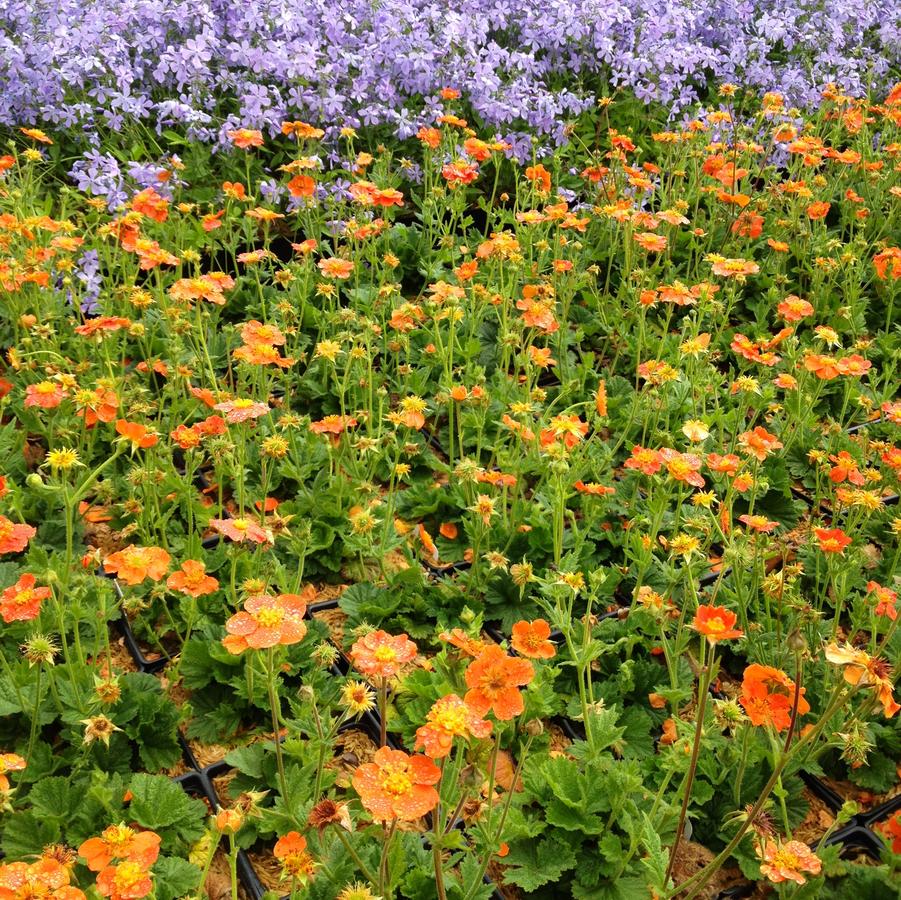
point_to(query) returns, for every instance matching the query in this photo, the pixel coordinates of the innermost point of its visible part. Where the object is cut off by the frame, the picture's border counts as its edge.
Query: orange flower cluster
(768, 696)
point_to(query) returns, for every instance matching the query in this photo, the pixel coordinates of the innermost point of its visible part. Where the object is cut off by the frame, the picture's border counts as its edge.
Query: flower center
(385, 654)
(270, 618)
(397, 783)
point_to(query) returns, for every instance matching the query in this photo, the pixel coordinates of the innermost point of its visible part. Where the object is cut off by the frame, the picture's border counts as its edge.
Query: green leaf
(158, 803)
(535, 863)
(248, 760)
(54, 798)
(174, 877)
(25, 835)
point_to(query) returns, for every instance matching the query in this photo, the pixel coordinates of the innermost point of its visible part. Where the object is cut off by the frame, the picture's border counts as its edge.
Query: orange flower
(832, 540)
(793, 308)
(571, 429)
(540, 177)
(768, 695)
(716, 624)
(301, 186)
(9, 762)
(886, 600)
(45, 394)
(14, 538)
(448, 718)
(647, 461)
(734, 268)
(494, 679)
(136, 434)
(333, 424)
(191, 579)
(818, 210)
(21, 602)
(291, 851)
(245, 138)
(651, 241)
(133, 564)
(266, 621)
(462, 641)
(99, 405)
(865, 670)
(785, 862)
(758, 523)
(845, 469)
(888, 263)
(243, 409)
(241, 529)
(531, 639)
(123, 843)
(381, 655)
(892, 829)
(126, 881)
(149, 203)
(759, 443)
(397, 786)
(336, 268)
(593, 489)
(47, 879)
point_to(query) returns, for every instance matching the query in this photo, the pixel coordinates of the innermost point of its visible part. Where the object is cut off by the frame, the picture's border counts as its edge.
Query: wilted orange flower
(138, 435)
(867, 671)
(126, 881)
(191, 579)
(120, 842)
(716, 624)
(832, 540)
(531, 639)
(21, 602)
(266, 621)
(448, 718)
(381, 655)
(397, 786)
(36, 135)
(494, 679)
(133, 564)
(759, 443)
(768, 695)
(786, 862)
(14, 537)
